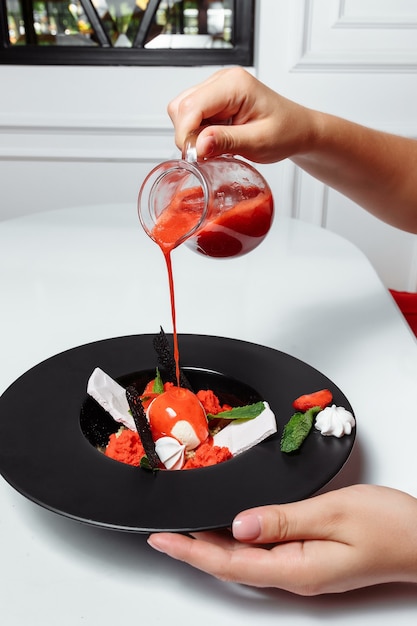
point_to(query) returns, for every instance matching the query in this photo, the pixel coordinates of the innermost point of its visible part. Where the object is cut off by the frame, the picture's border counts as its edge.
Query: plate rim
(231, 469)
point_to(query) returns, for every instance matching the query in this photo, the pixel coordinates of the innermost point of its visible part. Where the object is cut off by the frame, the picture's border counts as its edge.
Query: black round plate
(46, 457)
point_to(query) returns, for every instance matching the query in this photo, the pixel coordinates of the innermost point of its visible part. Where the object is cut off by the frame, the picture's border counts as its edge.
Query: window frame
(242, 52)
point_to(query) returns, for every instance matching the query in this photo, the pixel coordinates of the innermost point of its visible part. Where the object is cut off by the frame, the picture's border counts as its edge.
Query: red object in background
(407, 302)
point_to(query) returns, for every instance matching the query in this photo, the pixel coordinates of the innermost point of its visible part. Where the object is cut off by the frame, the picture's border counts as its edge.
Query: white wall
(71, 135)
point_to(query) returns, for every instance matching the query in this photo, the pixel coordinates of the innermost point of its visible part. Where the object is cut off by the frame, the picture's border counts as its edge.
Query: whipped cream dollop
(335, 420)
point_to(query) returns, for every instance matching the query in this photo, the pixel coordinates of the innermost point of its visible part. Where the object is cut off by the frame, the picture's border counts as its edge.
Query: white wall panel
(83, 134)
(346, 35)
(379, 12)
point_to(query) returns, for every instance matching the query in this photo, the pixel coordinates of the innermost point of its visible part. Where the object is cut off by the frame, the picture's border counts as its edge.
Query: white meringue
(171, 452)
(334, 420)
(240, 435)
(111, 397)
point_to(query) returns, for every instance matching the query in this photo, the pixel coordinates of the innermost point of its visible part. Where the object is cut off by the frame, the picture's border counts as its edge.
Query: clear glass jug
(220, 207)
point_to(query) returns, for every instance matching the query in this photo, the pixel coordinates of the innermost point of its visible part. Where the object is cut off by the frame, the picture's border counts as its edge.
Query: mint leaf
(144, 464)
(158, 385)
(248, 412)
(297, 429)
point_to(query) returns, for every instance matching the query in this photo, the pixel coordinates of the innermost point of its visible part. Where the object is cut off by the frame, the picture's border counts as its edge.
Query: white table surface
(83, 274)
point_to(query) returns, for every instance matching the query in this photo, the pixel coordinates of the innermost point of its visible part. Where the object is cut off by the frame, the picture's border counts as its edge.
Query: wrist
(312, 138)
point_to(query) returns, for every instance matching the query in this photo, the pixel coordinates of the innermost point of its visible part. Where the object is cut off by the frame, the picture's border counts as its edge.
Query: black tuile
(142, 426)
(166, 359)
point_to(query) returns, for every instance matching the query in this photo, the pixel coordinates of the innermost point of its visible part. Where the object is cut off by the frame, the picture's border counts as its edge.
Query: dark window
(126, 32)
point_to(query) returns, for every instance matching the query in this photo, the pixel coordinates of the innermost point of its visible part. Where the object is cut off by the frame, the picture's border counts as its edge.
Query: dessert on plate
(161, 424)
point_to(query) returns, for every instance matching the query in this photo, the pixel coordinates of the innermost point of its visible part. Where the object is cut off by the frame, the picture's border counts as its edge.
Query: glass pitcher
(220, 207)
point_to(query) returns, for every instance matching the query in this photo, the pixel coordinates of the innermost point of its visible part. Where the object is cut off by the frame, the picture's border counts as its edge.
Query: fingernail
(153, 542)
(246, 527)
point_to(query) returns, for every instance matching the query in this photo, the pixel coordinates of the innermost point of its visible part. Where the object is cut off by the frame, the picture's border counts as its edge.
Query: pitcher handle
(189, 149)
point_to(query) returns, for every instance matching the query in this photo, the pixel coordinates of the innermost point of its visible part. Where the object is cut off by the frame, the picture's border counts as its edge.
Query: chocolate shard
(166, 359)
(142, 426)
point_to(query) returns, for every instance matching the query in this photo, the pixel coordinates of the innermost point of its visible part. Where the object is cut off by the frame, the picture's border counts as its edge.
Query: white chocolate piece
(240, 435)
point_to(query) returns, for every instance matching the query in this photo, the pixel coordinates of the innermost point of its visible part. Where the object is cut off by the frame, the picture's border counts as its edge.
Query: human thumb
(287, 522)
(216, 140)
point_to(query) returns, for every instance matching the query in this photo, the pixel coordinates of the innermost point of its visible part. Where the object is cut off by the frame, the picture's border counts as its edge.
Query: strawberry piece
(320, 398)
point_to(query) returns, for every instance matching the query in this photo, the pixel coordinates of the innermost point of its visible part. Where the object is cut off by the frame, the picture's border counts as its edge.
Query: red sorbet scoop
(178, 413)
